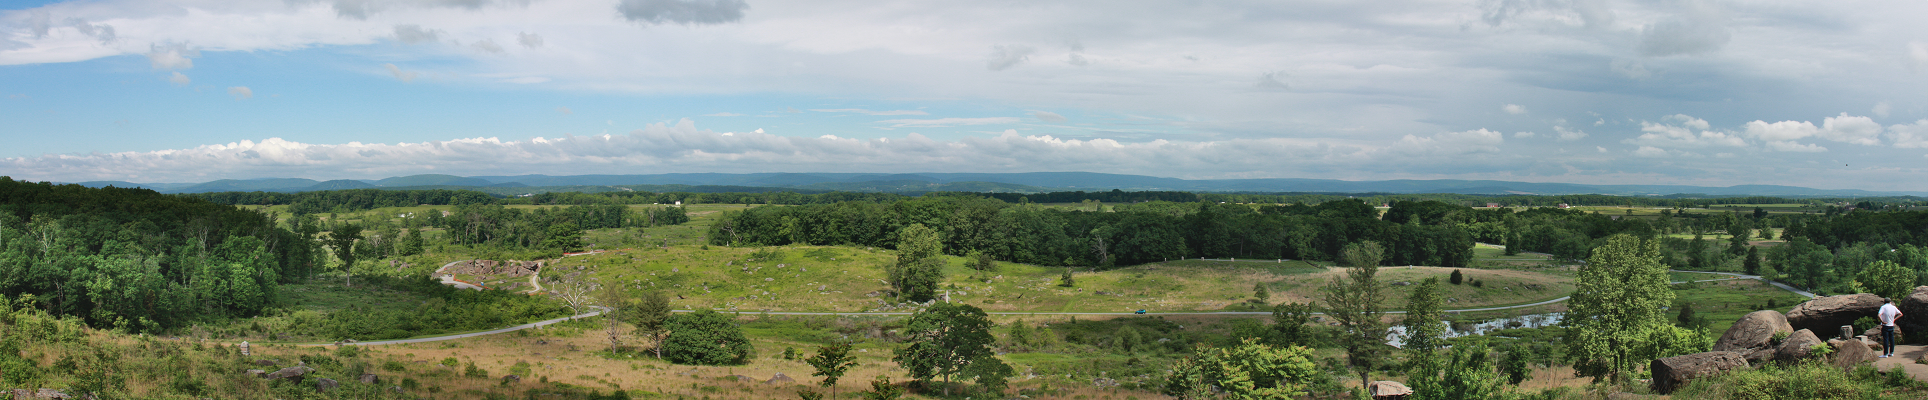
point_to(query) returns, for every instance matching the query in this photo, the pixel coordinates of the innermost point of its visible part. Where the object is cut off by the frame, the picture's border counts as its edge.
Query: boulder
(779, 379)
(1848, 353)
(371, 379)
(290, 373)
(324, 385)
(1753, 331)
(1388, 390)
(1826, 314)
(1673, 372)
(1758, 356)
(31, 394)
(1796, 347)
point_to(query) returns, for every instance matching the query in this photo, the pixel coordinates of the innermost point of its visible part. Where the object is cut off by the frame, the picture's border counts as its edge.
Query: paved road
(595, 310)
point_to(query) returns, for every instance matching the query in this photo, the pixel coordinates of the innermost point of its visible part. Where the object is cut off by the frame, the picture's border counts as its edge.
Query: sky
(1829, 95)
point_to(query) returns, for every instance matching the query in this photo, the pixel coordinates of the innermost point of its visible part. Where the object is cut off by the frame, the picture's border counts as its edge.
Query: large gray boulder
(1673, 372)
(1914, 312)
(1848, 353)
(1388, 390)
(1796, 347)
(1828, 314)
(324, 385)
(1753, 331)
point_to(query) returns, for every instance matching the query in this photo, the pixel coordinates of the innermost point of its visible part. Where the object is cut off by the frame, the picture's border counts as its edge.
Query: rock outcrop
(1673, 372)
(511, 269)
(1388, 390)
(1796, 347)
(1848, 353)
(1828, 314)
(294, 373)
(1753, 331)
(780, 378)
(1914, 309)
(31, 394)
(324, 385)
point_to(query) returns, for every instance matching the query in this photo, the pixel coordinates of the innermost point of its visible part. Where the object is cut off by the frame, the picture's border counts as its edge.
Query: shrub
(1808, 380)
(1455, 278)
(706, 338)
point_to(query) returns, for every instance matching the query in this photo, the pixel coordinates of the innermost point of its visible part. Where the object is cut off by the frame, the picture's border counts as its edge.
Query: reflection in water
(1396, 336)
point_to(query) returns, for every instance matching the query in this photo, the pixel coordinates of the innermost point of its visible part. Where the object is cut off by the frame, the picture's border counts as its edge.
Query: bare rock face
(780, 378)
(1673, 372)
(1753, 331)
(1797, 347)
(1848, 353)
(1914, 310)
(1827, 314)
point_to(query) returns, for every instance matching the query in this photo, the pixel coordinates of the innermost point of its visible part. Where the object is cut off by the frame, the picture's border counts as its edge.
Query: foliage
(1455, 278)
(1620, 302)
(1425, 325)
(1289, 324)
(706, 337)
(1354, 301)
(831, 362)
(946, 340)
(1807, 380)
(882, 389)
(1467, 373)
(919, 268)
(1261, 294)
(1888, 279)
(1250, 370)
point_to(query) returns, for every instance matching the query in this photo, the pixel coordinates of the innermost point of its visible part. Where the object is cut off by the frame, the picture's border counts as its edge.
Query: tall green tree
(342, 240)
(946, 340)
(706, 337)
(1289, 324)
(920, 263)
(1425, 323)
(1620, 300)
(651, 317)
(1752, 264)
(1355, 302)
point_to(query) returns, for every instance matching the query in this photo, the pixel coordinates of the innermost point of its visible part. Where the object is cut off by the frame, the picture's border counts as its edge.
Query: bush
(1455, 278)
(1808, 380)
(706, 338)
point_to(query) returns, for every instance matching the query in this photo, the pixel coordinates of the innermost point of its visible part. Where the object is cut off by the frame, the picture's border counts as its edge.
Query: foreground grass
(1810, 380)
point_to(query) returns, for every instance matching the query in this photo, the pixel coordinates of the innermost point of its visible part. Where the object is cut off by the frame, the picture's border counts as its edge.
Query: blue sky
(1826, 95)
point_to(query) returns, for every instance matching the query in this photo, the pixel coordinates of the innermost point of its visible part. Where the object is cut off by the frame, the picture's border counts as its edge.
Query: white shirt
(1888, 314)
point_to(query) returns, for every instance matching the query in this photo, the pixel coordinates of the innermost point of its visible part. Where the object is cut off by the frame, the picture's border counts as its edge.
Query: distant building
(1564, 205)
(1492, 205)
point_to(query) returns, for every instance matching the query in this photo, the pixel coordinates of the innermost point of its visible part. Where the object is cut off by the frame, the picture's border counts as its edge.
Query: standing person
(1888, 314)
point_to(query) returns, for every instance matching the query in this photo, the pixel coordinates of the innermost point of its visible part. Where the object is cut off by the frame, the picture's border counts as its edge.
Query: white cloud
(1918, 56)
(1451, 143)
(527, 80)
(1649, 152)
(1524, 134)
(1790, 146)
(172, 56)
(1568, 135)
(686, 12)
(871, 112)
(1851, 129)
(529, 40)
(1780, 131)
(102, 32)
(723, 114)
(1700, 28)
(412, 34)
(487, 46)
(241, 92)
(1048, 116)
(1004, 57)
(1679, 131)
(1909, 136)
(1881, 109)
(1514, 109)
(944, 122)
(404, 76)
(179, 80)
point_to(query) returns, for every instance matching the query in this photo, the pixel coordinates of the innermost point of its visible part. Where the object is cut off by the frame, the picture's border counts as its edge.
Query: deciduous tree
(1620, 300)
(946, 340)
(1354, 301)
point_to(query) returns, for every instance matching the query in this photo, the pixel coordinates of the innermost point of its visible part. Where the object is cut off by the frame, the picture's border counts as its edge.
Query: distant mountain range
(1032, 182)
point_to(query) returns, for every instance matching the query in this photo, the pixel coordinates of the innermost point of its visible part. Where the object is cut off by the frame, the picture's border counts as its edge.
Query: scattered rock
(257, 373)
(294, 373)
(324, 385)
(1673, 372)
(42, 393)
(1796, 347)
(371, 379)
(1388, 390)
(780, 379)
(1753, 331)
(1848, 353)
(1826, 314)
